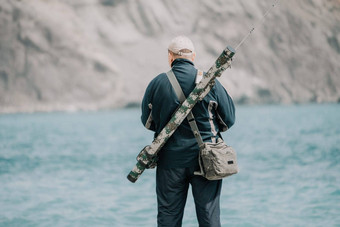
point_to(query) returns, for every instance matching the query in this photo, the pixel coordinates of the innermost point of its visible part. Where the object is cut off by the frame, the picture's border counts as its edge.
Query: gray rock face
(95, 54)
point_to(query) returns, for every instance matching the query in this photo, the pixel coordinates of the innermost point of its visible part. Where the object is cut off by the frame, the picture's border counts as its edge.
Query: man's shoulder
(159, 79)
(160, 76)
(218, 86)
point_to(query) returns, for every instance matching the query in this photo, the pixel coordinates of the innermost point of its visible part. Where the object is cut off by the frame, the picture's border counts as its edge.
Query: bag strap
(181, 97)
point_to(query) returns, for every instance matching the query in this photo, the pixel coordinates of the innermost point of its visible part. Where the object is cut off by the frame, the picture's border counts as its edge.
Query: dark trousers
(172, 189)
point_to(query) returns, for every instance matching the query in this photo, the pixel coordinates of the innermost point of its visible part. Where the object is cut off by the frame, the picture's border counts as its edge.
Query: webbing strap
(181, 98)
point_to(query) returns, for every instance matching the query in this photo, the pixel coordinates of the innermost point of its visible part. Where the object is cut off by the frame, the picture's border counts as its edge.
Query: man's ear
(193, 56)
(170, 58)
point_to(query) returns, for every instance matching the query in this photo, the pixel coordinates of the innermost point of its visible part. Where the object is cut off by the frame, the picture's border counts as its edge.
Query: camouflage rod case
(147, 156)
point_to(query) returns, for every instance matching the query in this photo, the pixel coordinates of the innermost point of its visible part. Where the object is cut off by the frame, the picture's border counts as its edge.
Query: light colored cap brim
(180, 43)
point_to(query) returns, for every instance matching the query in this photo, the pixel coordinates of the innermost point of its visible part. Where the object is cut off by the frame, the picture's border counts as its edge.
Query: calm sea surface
(69, 169)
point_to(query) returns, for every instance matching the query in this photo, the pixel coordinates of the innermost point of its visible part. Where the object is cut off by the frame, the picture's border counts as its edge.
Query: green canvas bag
(217, 160)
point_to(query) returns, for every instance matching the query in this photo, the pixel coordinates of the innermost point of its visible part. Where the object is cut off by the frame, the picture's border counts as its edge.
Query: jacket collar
(180, 61)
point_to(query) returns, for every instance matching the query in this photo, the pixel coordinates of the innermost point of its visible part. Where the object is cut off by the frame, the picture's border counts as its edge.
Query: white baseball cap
(180, 43)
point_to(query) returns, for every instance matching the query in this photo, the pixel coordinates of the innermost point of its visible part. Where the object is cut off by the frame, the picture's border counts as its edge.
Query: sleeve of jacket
(147, 109)
(225, 108)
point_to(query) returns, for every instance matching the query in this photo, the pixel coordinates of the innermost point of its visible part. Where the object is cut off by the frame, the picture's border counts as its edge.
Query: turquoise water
(69, 169)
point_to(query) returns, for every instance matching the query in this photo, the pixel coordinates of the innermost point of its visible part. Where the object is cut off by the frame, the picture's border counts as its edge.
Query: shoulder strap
(181, 97)
(175, 85)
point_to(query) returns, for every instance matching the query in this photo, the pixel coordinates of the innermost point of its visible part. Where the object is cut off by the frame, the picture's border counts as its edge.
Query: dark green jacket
(215, 113)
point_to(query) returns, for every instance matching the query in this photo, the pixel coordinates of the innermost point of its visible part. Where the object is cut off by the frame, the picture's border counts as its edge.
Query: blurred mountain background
(68, 55)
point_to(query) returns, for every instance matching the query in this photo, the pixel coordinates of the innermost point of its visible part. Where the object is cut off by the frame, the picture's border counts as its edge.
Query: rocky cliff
(95, 54)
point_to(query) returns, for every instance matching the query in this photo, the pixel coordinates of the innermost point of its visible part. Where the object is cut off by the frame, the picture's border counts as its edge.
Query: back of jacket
(215, 113)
